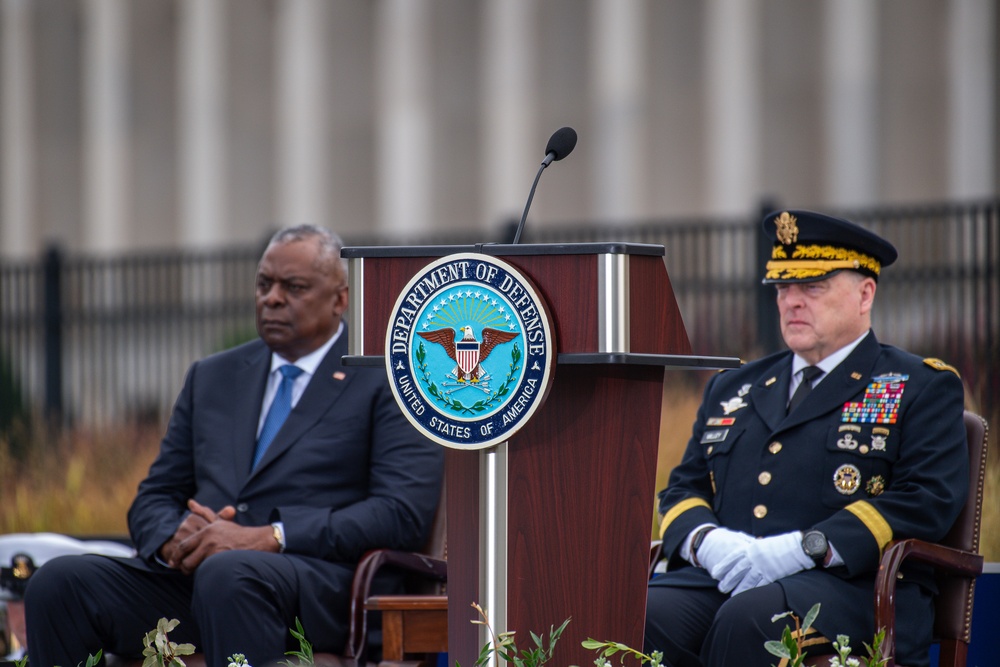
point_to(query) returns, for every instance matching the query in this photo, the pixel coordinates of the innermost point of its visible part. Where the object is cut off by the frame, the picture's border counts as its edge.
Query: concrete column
(972, 102)
(509, 143)
(619, 99)
(405, 161)
(302, 146)
(106, 180)
(732, 127)
(850, 126)
(17, 132)
(201, 123)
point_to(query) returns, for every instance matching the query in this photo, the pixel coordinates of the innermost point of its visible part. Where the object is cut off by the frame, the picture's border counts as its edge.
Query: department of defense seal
(469, 351)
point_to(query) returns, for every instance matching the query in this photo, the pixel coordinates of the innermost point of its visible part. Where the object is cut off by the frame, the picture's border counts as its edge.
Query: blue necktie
(276, 416)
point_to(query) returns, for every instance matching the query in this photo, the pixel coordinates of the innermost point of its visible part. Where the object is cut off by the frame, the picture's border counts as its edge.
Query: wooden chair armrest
(945, 559)
(407, 603)
(435, 569)
(655, 554)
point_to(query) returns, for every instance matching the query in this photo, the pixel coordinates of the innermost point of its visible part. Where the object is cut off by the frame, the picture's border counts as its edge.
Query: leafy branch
(504, 647)
(159, 651)
(608, 649)
(305, 652)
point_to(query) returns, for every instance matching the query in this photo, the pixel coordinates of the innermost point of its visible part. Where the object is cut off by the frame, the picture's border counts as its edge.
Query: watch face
(814, 544)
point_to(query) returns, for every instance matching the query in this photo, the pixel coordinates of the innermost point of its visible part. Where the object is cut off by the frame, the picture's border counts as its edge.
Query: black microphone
(561, 143)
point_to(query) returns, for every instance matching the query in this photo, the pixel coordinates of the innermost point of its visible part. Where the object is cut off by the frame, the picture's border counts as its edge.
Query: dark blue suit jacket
(751, 468)
(346, 473)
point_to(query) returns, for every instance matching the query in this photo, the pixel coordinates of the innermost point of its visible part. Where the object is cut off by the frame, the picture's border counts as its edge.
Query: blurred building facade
(130, 124)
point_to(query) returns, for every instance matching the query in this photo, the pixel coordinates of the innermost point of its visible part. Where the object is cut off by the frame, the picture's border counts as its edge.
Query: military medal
(880, 404)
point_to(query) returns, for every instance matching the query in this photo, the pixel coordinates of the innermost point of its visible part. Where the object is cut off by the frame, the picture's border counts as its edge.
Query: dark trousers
(701, 627)
(236, 602)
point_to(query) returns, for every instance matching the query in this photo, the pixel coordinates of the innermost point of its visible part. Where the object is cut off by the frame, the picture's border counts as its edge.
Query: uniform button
(764, 478)
(774, 447)
(863, 449)
(760, 511)
(242, 507)
(709, 450)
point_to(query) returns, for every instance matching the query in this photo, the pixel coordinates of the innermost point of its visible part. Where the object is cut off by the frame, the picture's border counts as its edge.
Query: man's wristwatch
(699, 537)
(279, 537)
(815, 546)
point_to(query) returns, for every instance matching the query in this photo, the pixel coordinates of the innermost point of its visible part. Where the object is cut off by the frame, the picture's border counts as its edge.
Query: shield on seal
(467, 355)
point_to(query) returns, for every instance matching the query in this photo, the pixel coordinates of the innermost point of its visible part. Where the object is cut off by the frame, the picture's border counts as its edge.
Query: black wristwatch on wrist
(815, 546)
(699, 537)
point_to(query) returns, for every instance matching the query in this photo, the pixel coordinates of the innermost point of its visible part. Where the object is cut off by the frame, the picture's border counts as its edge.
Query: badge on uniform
(847, 479)
(717, 435)
(848, 442)
(875, 486)
(880, 404)
(733, 404)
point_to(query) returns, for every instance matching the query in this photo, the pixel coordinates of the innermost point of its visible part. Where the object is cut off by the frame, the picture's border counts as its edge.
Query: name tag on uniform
(714, 436)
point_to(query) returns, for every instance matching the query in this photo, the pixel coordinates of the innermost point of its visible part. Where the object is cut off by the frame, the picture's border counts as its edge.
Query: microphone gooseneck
(561, 143)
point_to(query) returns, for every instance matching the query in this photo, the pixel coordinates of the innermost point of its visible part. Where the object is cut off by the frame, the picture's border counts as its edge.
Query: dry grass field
(81, 483)
(78, 483)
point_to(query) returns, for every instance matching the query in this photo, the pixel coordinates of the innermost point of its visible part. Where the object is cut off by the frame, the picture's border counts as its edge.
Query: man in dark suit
(237, 536)
(802, 466)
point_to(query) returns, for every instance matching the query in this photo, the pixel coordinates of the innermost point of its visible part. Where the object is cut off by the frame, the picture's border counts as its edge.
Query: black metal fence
(93, 341)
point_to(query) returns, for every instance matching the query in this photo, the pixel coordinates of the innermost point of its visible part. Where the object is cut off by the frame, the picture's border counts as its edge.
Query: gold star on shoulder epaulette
(939, 365)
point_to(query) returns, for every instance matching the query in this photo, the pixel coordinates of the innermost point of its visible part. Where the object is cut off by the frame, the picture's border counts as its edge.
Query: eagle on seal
(468, 353)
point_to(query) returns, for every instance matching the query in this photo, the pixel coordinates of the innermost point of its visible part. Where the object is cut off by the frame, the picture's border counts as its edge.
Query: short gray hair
(329, 243)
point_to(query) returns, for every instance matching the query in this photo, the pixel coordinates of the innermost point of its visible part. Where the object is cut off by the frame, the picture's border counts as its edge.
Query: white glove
(717, 546)
(763, 562)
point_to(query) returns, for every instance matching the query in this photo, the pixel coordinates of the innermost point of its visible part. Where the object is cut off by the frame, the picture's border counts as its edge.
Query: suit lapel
(325, 387)
(252, 375)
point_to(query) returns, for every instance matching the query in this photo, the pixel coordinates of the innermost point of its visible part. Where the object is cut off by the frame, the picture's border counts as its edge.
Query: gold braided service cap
(811, 246)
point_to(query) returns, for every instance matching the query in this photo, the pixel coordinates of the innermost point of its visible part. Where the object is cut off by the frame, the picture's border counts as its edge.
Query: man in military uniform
(804, 465)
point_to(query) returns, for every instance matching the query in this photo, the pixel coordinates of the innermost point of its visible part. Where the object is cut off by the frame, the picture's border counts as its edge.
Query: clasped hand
(204, 532)
(739, 562)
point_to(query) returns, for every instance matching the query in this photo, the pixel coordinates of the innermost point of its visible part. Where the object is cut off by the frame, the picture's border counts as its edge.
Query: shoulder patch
(939, 365)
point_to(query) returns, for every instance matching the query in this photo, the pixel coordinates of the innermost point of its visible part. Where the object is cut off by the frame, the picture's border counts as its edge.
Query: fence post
(768, 332)
(52, 325)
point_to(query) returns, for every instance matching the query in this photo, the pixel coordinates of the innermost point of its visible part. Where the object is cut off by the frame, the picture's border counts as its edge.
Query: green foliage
(874, 654)
(790, 645)
(505, 648)
(15, 422)
(92, 661)
(305, 652)
(607, 649)
(159, 651)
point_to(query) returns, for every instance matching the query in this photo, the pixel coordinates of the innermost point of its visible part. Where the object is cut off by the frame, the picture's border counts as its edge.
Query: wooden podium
(555, 522)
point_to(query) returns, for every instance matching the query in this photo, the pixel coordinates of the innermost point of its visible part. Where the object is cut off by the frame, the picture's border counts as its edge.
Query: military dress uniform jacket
(875, 453)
